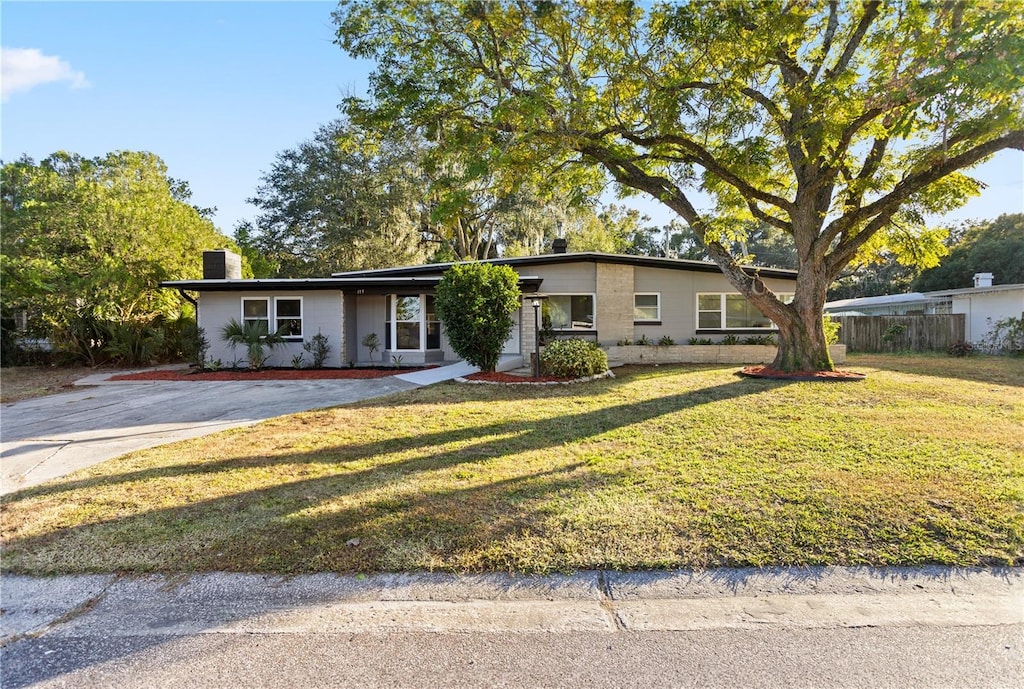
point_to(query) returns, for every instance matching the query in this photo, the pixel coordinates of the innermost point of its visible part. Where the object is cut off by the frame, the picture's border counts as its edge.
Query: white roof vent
(983, 279)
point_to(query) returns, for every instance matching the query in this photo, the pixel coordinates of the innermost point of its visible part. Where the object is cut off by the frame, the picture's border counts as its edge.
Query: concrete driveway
(48, 437)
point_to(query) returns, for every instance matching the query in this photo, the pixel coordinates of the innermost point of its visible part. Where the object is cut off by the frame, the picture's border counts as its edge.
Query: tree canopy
(343, 200)
(841, 123)
(355, 199)
(995, 247)
(91, 238)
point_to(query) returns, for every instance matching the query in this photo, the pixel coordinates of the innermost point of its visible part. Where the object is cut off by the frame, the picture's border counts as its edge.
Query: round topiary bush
(573, 359)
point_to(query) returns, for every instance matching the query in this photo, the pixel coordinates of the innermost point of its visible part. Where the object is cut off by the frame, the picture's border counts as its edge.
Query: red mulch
(497, 377)
(776, 374)
(269, 374)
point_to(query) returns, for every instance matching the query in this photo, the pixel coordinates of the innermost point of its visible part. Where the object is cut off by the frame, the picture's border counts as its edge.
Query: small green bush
(573, 359)
(831, 327)
(730, 339)
(666, 341)
(318, 348)
(475, 302)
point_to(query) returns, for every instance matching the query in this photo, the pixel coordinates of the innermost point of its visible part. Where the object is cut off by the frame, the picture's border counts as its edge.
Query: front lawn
(673, 466)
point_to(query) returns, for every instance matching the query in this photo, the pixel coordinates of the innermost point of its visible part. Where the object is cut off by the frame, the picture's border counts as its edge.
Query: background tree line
(85, 243)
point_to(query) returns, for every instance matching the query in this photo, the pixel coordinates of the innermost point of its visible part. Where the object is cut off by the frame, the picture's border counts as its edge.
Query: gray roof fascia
(527, 283)
(582, 257)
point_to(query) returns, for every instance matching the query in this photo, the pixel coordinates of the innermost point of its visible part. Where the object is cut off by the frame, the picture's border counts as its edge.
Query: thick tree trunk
(802, 345)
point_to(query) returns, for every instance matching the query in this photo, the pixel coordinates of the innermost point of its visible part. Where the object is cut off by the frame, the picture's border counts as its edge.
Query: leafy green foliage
(573, 358)
(343, 200)
(831, 327)
(995, 247)
(255, 337)
(475, 301)
(1006, 336)
(319, 348)
(85, 243)
(840, 124)
(372, 343)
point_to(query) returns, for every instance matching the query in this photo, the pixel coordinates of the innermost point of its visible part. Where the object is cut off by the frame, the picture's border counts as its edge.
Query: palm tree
(256, 338)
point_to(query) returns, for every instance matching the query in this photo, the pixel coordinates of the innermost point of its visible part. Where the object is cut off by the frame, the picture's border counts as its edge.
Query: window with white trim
(647, 307)
(410, 322)
(570, 311)
(256, 311)
(732, 311)
(288, 316)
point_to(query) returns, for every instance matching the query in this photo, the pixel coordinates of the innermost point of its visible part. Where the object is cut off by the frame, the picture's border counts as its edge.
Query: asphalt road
(728, 628)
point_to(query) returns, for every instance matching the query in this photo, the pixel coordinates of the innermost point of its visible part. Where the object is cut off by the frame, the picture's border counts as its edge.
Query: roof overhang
(581, 257)
(349, 285)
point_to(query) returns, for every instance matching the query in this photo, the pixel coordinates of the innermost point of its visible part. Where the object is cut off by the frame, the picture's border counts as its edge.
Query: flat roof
(580, 257)
(367, 285)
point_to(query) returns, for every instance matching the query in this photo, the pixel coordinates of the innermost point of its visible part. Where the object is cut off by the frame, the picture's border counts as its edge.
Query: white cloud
(25, 68)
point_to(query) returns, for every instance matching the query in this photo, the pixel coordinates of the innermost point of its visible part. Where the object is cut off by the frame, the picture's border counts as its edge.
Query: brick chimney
(222, 264)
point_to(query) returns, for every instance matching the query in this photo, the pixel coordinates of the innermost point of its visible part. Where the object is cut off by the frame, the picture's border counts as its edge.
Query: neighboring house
(604, 297)
(981, 305)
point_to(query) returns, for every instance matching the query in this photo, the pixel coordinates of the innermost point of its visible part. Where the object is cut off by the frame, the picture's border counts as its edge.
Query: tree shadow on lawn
(303, 525)
(528, 435)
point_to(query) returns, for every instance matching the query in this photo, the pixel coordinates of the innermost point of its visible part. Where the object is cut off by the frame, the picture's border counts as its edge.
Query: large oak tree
(840, 123)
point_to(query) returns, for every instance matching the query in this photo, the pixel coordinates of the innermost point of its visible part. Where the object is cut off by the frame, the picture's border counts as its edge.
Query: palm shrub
(573, 359)
(475, 301)
(255, 337)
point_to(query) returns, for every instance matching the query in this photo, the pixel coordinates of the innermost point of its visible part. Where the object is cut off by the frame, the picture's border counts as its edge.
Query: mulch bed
(269, 374)
(775, 374)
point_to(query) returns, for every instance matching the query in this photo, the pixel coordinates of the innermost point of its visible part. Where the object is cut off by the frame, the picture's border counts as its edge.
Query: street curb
(814, 597)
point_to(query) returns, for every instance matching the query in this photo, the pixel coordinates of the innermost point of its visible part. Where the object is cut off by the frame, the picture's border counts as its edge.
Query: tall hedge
(475, 301)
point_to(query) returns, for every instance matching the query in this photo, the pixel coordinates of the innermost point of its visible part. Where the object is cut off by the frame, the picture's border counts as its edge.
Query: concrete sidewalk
(793, 627)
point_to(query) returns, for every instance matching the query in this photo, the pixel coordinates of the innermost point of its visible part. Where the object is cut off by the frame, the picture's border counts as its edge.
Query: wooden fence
(901, 333)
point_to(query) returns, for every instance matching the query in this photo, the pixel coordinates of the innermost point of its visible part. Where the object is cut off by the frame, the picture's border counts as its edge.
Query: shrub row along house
(607, 298)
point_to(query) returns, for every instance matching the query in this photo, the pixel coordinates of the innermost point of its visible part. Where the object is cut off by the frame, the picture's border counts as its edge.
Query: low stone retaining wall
(703, 354)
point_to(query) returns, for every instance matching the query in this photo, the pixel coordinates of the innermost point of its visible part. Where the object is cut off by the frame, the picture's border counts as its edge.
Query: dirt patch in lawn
(268, 374)
(26, 382)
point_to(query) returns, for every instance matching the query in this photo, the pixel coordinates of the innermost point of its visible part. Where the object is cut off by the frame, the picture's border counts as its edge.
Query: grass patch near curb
(663, 467)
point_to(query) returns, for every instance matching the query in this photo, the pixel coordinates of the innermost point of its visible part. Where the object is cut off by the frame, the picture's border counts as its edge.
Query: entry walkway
(459, 369)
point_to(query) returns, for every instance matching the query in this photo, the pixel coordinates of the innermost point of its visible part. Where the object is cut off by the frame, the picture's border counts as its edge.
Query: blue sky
(216, 89)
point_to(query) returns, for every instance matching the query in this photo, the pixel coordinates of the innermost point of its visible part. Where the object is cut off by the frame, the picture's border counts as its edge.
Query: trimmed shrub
(573, 359)
(475, 301)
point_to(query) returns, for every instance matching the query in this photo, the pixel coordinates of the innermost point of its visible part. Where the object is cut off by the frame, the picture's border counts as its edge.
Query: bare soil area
(26, 382)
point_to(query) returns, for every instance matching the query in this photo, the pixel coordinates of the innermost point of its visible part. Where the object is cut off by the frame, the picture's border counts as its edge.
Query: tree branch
(870, 14)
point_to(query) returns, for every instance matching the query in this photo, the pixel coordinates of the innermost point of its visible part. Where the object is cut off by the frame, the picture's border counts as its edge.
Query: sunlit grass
(661, 467)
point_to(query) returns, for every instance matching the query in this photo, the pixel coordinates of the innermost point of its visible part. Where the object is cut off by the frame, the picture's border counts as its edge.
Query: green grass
(673, 466)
